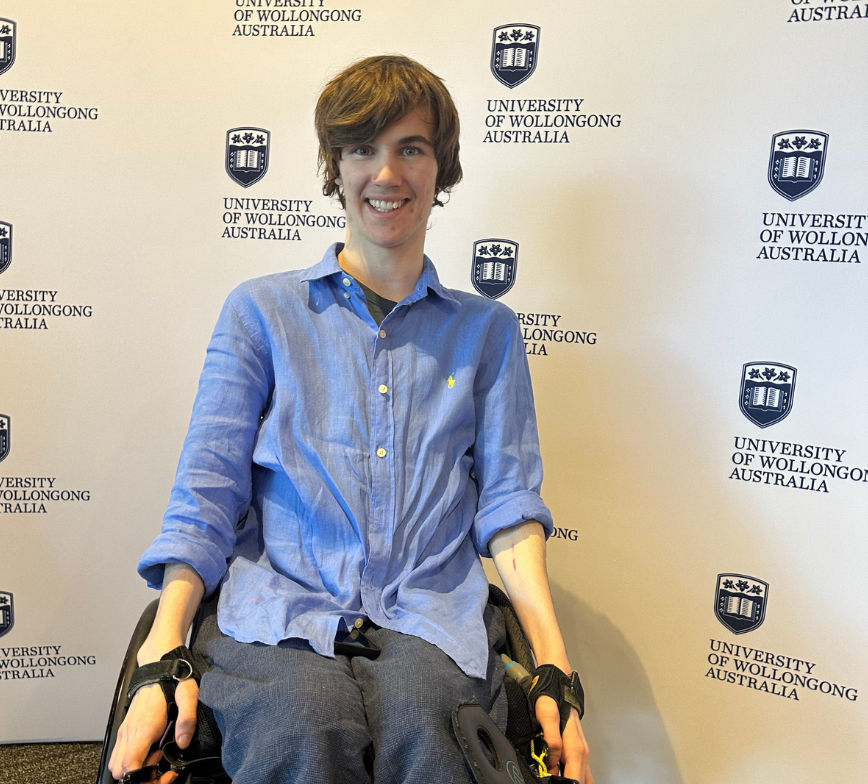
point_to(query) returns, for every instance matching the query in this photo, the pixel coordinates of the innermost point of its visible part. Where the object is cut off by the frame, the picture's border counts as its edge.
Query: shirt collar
(428, 280)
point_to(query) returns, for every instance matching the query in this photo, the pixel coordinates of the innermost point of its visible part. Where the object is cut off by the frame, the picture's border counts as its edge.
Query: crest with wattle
(766, 394)
(797, 161)
(740, 602)
(5, 436)
(5, 245)
(495, 263)
(7, 44)
(247, 152)
(7, 612)
(514, 52)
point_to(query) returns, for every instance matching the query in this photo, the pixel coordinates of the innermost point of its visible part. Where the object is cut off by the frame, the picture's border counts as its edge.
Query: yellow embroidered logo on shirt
(451, 382)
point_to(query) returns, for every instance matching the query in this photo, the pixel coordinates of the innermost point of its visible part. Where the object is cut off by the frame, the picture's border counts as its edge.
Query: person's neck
(392, 273)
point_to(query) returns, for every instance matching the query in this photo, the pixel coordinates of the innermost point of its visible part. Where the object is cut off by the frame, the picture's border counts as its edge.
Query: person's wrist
(153, 650)
(562, 664)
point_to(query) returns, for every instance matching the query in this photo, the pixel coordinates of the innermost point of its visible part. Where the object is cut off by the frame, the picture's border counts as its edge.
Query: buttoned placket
(375, 525)
(380, 524)
(383, 491)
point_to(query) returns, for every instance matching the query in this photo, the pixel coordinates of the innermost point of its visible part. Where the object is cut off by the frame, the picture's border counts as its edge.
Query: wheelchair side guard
(476, 733)
(473, 726)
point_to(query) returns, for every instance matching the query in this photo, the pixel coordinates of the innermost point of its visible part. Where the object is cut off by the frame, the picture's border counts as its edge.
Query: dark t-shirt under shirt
(379, 307)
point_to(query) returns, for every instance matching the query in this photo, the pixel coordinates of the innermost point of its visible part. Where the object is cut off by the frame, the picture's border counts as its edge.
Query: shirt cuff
(509, 511)
(173, 547)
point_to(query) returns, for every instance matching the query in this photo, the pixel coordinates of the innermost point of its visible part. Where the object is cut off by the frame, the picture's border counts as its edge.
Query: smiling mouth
(386, 206)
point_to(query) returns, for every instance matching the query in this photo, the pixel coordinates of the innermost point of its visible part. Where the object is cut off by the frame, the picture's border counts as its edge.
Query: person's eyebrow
(415, 139)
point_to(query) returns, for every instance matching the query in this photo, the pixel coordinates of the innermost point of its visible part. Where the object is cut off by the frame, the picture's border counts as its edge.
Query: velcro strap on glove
(177, 665)
(550, 681)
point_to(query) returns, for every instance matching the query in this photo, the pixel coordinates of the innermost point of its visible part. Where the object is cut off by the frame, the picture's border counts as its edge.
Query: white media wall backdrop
(672, 196)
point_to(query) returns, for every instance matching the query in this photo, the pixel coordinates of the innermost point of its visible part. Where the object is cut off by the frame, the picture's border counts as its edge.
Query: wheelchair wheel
(116, 716)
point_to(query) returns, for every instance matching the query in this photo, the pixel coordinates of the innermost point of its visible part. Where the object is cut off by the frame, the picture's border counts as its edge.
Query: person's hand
(571, 749)
(145, 724)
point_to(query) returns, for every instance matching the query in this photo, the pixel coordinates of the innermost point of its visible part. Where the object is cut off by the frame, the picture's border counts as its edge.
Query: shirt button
(346, 281)
(381, 452)
(346, 295)
(382, 333)
(359, 623)
(354, 634)
(383, 389)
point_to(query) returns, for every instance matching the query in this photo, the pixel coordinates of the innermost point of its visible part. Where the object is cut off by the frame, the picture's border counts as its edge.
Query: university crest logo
(495, 262)
(7, 44)
(766, 394)
(7, 612)
(514, 52)
(247, 152)
(797, 161)
(740, 602)
(5, 442)
(5, 246)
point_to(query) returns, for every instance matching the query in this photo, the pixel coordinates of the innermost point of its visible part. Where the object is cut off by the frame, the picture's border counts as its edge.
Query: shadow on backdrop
(626, 733)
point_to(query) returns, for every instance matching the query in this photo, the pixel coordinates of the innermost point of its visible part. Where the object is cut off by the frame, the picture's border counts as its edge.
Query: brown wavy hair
(363, 99)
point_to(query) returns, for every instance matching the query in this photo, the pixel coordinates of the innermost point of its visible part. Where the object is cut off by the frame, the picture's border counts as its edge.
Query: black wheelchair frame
(488, 756)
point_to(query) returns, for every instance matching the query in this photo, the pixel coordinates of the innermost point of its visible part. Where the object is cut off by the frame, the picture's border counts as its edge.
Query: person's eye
(362, 149)
(412, 152)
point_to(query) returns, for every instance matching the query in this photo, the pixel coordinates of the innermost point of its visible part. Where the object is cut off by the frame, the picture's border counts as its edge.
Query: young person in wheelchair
(374, 432)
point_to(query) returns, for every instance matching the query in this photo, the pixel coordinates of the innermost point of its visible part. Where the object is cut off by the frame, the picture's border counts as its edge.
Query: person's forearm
(183, 590)
(520, 557)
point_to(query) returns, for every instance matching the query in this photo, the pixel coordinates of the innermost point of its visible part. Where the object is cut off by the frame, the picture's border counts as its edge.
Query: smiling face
(388, 186)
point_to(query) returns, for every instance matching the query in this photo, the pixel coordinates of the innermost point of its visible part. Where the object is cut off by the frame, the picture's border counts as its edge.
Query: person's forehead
(415, 126)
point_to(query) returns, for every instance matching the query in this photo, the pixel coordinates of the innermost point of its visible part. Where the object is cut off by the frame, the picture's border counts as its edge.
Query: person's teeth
(384, 206)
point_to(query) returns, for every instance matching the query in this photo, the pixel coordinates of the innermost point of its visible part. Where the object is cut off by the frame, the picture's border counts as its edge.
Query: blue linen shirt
(347, 470)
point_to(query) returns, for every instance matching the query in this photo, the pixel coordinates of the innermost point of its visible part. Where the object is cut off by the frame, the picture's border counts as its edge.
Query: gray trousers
(288, 714)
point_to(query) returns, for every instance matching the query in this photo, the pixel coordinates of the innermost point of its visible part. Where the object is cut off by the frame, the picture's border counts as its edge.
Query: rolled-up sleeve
(212, 489)
(506, 455)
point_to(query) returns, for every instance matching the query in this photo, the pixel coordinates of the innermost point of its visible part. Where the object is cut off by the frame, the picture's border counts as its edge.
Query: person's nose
(388, 172)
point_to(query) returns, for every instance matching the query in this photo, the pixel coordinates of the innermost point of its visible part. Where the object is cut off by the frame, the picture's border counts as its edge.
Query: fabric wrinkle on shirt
(348, 501)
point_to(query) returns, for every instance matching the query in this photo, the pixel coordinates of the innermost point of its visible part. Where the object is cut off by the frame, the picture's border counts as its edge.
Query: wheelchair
(517, 758)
